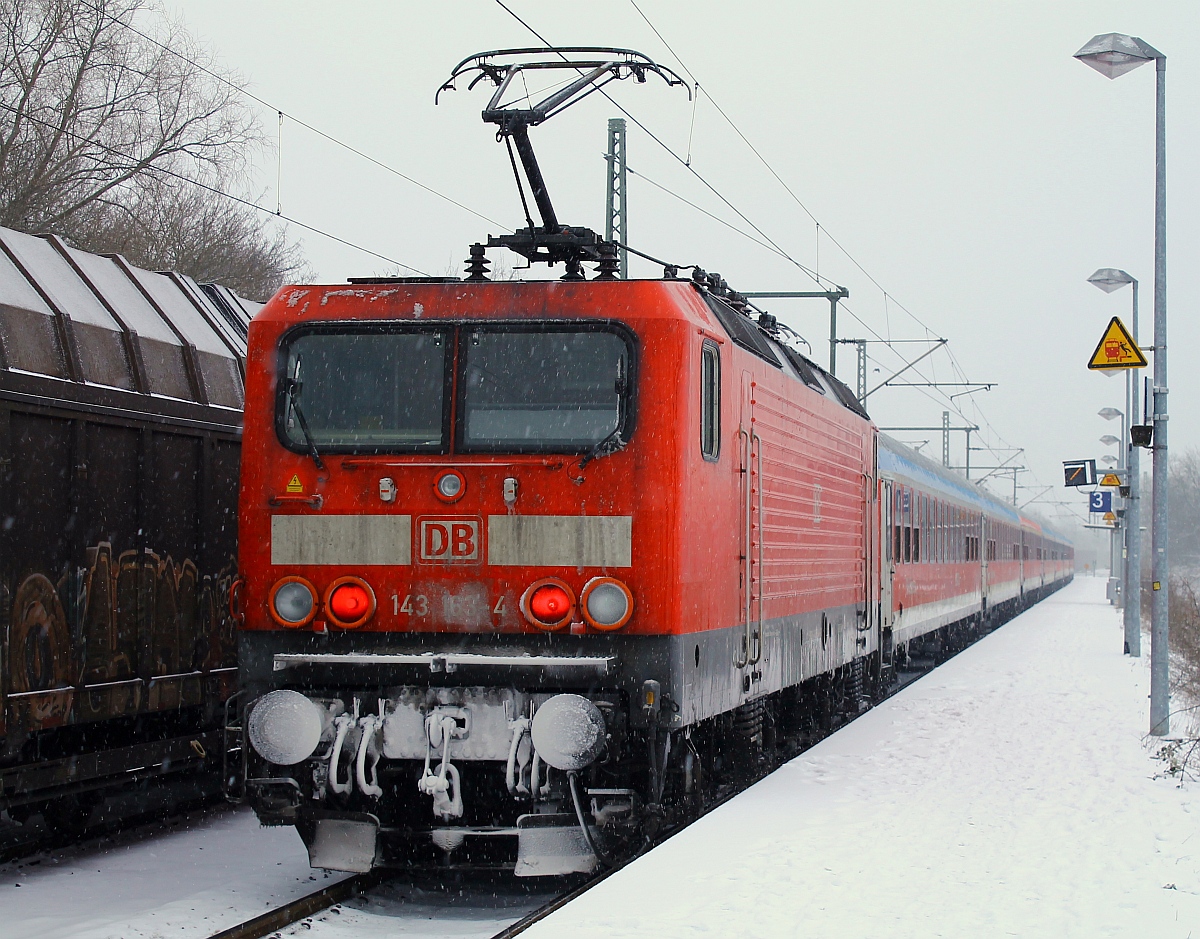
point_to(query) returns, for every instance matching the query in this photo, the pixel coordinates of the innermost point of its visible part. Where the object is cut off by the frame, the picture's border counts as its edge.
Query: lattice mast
(616, 219)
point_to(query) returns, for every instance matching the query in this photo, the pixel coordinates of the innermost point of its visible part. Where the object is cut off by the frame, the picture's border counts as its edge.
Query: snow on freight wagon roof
(80, 317)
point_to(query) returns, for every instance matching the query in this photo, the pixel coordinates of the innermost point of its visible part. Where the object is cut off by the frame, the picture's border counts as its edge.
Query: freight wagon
(121, 395)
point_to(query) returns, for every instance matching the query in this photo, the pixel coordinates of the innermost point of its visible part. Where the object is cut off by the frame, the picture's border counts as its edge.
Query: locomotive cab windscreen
(470, 388)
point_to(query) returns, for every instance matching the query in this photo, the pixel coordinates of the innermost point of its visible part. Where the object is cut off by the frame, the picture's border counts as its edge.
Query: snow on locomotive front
(460, 531)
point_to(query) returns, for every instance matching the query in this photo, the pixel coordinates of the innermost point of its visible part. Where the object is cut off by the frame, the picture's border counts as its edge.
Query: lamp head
(1110, 414)
(1109, 440)
(1114, 54)
(1109, 279)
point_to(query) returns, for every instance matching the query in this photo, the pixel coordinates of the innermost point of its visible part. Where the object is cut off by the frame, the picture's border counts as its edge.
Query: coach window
(710, 401)
(920, 510)
(931, 549)
(897, 524)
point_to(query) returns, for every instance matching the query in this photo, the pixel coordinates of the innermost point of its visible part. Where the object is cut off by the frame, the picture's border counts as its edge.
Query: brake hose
(587, 835)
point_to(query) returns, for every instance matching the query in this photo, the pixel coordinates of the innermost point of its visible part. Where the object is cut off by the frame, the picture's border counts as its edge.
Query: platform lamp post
(1109, 279)
(1112, 55)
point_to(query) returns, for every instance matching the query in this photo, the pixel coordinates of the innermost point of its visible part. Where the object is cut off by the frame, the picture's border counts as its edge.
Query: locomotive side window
(543, 390)
(710, 400)
(364, 390)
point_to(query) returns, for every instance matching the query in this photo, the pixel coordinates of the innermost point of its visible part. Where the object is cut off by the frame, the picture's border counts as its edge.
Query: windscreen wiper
(613, 442)
(292, 392)
(610, 444)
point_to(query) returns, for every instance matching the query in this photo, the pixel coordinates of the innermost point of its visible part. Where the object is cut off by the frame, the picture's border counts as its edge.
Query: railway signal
(1079, 472)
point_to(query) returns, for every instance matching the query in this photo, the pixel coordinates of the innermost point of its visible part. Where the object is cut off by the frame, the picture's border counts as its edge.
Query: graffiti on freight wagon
(129, 632)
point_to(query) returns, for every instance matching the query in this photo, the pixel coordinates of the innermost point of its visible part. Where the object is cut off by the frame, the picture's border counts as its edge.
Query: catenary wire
(217, 76)
(955, 364)
(769, 243)
(682, 162)
(220, 192)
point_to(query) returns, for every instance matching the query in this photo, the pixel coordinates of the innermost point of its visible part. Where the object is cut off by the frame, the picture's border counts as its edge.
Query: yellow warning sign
(1117, 349)
(1109, 517)
(294, 484)
(1108, 479)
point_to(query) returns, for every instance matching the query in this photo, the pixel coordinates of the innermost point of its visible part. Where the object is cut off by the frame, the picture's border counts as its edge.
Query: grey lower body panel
(700, 673)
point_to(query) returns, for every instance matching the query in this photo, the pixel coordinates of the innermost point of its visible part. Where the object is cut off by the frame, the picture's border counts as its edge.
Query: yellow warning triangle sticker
(294, 484)
(1117, 349)
(1109, 517)
(1110, 479)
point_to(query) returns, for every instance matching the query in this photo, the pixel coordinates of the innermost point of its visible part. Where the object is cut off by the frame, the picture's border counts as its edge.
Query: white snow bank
(1009, 793)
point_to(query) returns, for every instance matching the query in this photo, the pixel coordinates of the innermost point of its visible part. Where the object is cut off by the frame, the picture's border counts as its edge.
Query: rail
(307, 905)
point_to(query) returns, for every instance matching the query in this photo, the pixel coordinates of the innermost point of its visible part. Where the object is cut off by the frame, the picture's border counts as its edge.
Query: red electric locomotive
(529, 567)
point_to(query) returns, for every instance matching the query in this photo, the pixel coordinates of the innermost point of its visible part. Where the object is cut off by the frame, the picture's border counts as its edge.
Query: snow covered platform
(1011, 792)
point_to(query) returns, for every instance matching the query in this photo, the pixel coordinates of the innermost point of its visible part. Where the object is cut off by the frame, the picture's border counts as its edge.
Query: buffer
(1117, 349)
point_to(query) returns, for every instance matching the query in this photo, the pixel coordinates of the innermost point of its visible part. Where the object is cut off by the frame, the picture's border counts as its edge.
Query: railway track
(283, 916)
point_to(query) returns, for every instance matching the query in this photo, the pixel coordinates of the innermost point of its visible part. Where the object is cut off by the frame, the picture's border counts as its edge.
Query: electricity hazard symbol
(1109, 517)
(1110, 479)
(294, 484)
(1117, 349)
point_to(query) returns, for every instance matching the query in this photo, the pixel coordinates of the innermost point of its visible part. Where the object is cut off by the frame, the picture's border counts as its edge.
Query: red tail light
(349, 602)
(548, 604)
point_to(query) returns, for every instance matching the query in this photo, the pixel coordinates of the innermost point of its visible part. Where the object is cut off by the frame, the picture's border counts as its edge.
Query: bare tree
(179, 227)
(1185, 509)
(99, 126)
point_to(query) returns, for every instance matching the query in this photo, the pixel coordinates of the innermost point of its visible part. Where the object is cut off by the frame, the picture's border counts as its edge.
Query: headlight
(607, 603)
(568, 732)
(450, 486)
(285, 727)
(293, 602)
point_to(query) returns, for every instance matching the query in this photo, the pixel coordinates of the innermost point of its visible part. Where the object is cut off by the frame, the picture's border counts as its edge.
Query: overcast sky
(955, 149)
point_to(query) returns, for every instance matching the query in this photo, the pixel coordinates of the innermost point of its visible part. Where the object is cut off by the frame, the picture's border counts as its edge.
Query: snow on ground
(1009, 793)
(215, 870)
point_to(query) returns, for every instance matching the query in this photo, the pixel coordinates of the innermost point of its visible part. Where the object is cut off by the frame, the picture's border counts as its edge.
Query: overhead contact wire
(758, 154)
(309, 127)
(227, 195)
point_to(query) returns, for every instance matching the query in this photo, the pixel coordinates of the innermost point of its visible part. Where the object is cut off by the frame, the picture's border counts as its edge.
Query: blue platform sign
(1100, 502)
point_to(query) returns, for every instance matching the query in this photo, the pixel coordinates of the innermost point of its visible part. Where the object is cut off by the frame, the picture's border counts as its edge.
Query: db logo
(449, 539)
